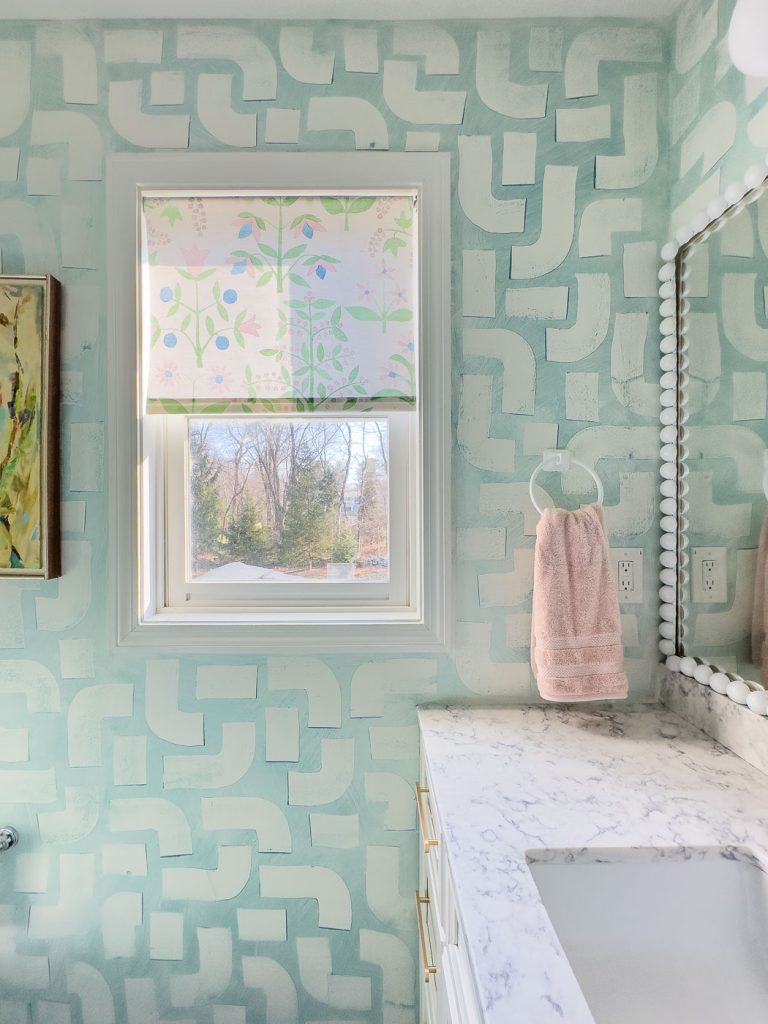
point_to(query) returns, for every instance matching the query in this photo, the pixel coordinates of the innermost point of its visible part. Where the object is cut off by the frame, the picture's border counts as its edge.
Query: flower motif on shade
(247, 228)
(307, 227)
(384, 270)
(406, 344)
(220, 380)
(240, 265)
(167, 374)
(322, 268)
(195, 259)
(250, 326)
(365, 292)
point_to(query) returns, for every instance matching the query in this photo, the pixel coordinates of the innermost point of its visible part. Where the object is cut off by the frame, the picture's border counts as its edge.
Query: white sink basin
(677, 940)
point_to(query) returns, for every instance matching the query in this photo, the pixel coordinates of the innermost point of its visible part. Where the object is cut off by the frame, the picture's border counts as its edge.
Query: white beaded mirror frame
(674, 573)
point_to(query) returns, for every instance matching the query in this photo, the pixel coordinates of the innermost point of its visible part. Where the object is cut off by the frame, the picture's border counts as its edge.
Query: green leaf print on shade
(347, 205)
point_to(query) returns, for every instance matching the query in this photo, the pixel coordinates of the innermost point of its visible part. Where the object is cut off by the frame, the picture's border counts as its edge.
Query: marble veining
(512, 783)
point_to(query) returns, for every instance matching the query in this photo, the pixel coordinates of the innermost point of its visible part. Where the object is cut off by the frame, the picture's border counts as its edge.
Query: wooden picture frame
(30, 543)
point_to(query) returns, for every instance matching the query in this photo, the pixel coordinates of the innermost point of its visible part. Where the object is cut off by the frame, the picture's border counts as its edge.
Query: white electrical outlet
(627, 566)
(709, 575)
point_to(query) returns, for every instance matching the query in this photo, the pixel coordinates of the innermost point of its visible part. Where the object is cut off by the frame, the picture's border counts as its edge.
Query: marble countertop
(508, 781)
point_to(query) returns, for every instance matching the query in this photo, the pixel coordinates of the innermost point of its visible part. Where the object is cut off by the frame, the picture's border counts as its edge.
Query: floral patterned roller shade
(278, 303)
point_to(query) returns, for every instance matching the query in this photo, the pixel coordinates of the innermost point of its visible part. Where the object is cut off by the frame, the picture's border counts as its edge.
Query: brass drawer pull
(420, 790)
(428, 967)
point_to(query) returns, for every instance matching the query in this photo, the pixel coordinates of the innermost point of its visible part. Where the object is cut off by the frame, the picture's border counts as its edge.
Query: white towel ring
(555, 461)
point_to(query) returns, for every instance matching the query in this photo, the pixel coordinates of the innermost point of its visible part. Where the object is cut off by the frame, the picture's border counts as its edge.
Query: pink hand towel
(576, 648)
(759, 606)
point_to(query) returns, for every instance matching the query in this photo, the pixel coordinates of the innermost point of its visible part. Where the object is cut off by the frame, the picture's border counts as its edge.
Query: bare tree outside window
(289, 499)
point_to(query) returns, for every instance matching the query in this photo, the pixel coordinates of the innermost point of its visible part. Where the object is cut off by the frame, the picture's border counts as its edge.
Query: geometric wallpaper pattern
(231, 840)
(718, 129)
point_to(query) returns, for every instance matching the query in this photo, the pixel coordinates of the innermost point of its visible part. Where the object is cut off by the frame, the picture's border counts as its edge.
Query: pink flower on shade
(251, 327)
(364, 291)
(219, 380)
(384, 270)
(167, 375)
(195, 259)
(401, 295)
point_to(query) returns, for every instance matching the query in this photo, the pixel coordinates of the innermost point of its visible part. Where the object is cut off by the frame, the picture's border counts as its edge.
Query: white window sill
(360, 633)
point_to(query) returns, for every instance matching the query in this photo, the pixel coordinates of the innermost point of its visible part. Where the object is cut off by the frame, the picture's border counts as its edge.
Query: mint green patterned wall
(718, 122)
(231, 840)
(719, 129)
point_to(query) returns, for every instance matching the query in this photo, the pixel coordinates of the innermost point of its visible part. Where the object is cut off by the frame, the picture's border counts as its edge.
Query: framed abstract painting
(29, 427)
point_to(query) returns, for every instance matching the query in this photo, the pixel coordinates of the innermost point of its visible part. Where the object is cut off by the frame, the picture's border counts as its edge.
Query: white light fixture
(747, 37)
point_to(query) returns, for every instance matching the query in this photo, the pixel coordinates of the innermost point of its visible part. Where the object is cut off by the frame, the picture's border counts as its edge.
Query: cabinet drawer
(436, 1005)
(447, 993)
(460, 978)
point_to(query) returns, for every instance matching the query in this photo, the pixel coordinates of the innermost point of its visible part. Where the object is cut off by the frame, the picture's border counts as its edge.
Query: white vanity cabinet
(447, 990)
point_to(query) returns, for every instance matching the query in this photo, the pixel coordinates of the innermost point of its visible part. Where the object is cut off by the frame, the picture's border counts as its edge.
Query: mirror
(721, 480)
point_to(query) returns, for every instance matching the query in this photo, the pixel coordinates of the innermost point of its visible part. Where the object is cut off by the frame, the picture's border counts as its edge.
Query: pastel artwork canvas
(28, 491)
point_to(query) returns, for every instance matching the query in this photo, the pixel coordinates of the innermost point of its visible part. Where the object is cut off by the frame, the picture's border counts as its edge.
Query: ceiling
(355, 10)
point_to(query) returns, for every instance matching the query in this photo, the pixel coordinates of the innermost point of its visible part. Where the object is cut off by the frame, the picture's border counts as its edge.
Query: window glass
(288, 499)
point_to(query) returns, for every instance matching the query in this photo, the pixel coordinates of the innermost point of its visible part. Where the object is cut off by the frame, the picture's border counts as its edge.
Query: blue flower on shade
(307, 230)
(170, 340)
(222, 343)
(321, 271)
(392, 374)
(230, 296)
(246, 229)
(219, 379)
(239, 267)
(168, 374)
(166, 294)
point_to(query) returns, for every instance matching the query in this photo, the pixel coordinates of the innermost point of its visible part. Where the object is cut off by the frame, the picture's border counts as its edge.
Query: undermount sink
(669, 936)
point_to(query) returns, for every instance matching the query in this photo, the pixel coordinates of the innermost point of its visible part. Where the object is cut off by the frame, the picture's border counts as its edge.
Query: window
(282, 323)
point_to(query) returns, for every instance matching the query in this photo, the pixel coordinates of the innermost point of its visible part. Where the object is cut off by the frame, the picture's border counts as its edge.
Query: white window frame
(140, 618)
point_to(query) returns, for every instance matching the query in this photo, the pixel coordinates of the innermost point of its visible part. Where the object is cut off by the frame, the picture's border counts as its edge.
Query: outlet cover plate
(718, 593)
(629, 581)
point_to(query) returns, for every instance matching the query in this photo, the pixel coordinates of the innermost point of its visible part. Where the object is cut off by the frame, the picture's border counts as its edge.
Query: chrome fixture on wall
(8, 837)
